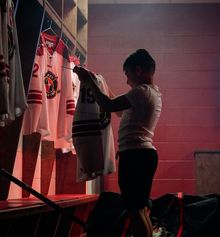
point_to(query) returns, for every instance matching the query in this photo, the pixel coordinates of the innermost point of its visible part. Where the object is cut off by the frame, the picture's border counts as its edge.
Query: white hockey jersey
(67, 132)
(51, 103)
(12, 94)
(92, 136)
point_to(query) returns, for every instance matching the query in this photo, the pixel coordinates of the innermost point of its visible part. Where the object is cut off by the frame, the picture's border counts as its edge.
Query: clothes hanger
(49, 28)
(51, 31)
(48, 20)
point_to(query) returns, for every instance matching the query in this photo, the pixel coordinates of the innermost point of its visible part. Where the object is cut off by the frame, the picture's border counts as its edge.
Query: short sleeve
(139, 95)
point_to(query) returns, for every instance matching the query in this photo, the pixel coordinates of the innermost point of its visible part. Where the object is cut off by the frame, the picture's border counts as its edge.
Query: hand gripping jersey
(51, 101)
(92, 135)
(13, 99)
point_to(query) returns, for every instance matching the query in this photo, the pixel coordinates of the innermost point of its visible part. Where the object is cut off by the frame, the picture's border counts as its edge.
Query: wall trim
(151, 1)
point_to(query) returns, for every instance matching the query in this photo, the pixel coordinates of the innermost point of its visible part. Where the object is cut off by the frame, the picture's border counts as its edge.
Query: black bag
(201, 215)
(165, 213)
(107, 218)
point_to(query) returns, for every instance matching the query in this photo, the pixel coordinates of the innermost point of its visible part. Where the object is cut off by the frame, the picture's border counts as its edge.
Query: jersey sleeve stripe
(71, 112)
(35, 91)
(90, 121)
(34, 96)
(34, 102)
(86, 128)
(70, 106)
(86, 134)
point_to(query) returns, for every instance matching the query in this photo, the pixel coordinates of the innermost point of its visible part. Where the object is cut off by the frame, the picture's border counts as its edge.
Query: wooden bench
(29, 217)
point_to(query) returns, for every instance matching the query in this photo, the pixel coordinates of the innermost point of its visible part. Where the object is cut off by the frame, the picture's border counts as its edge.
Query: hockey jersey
(13, 99)
(92, 135)
(51, 101)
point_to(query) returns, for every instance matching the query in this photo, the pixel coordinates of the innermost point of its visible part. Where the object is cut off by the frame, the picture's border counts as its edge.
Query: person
(138, 158)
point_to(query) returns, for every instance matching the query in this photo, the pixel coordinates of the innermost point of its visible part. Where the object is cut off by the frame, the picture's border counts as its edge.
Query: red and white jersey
(92, 135)
(66, 131)
(51, 103)
(13, 99)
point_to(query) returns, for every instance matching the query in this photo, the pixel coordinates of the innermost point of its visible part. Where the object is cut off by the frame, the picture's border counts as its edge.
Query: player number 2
(87, 96)
(35, 70)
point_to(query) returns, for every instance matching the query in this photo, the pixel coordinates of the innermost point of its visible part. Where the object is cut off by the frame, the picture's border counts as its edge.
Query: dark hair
(141, 58)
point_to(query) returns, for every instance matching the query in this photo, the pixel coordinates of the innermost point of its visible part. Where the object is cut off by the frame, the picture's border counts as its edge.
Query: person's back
(138, 122)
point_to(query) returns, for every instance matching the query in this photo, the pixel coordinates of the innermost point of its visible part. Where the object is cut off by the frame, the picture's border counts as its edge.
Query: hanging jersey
(51, 102)
(13, 99)
(92, 135)
(66, 129)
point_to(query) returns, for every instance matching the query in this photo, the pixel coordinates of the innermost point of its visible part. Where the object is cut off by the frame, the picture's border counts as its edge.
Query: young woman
(138, 157)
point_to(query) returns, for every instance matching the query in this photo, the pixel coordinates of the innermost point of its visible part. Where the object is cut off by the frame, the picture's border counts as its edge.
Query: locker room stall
(38, 163)
(69, 21)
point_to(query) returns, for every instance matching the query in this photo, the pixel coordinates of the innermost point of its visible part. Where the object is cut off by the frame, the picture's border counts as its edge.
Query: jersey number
(35, 70)
(87, 96)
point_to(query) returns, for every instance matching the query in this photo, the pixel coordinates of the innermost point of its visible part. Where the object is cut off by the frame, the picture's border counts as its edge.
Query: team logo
(105, 119)
(51, 84)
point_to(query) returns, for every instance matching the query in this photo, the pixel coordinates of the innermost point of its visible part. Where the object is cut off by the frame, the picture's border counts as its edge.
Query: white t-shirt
(138, 122)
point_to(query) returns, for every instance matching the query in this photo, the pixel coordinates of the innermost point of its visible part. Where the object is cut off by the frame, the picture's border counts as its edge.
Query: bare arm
(110, 105)
(112, 96)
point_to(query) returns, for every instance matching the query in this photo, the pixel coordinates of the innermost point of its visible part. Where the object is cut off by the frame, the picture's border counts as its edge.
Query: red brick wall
(185, 41)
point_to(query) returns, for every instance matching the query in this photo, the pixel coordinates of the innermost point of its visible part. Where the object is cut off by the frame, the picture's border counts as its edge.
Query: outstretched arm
(108, 104)
(112, 96)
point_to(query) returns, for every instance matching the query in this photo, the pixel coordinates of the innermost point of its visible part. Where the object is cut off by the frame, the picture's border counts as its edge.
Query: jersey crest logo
(51, 84)
(105, 119)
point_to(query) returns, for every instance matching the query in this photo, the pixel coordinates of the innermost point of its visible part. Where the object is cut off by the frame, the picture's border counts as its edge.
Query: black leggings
(136, 171)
